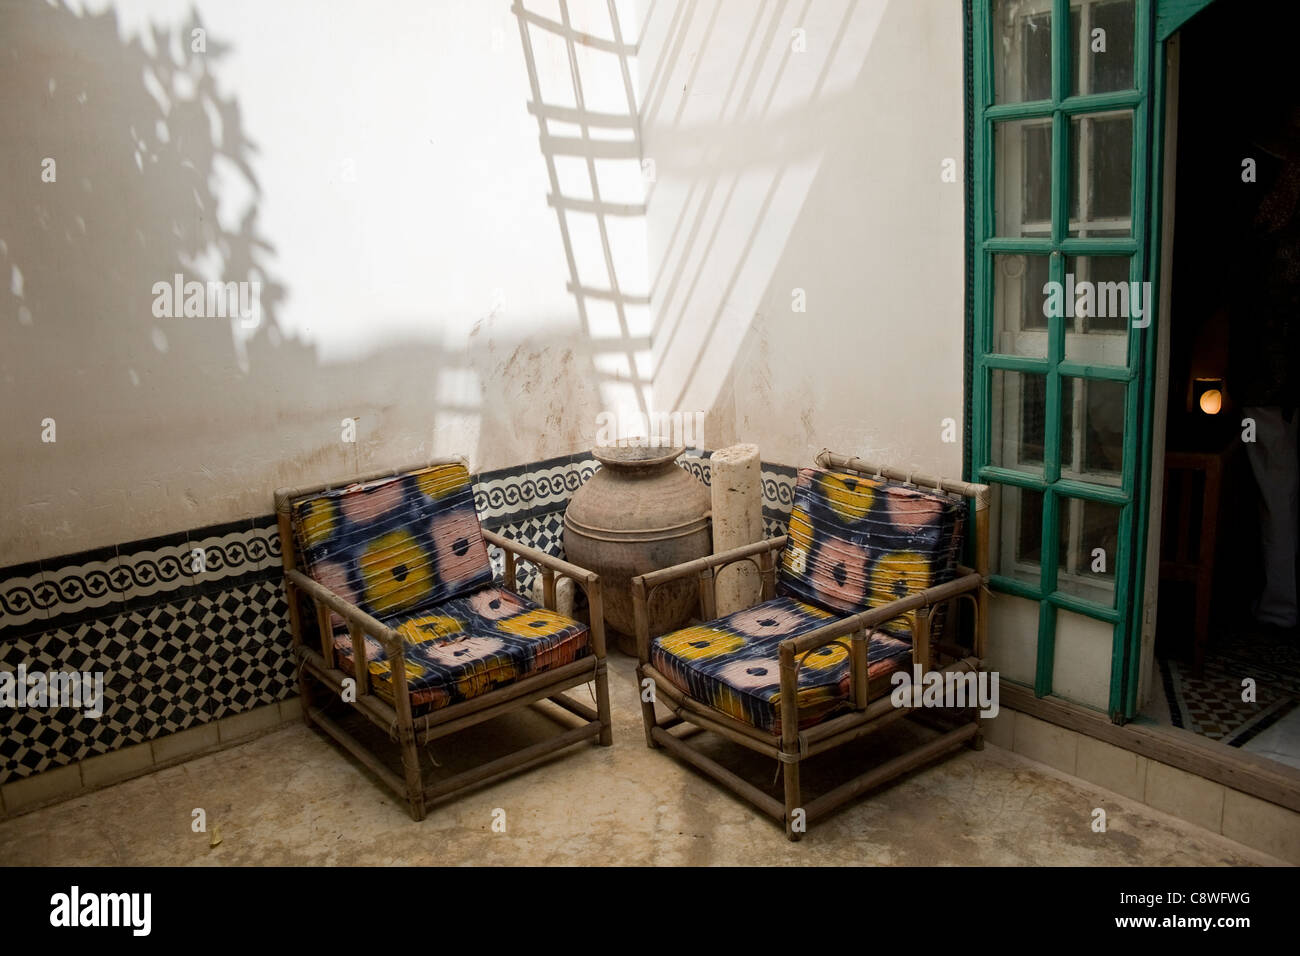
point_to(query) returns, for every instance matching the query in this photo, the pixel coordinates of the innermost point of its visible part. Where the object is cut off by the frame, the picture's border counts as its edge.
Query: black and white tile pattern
(543, 532)
(166, 669)
(513, 494)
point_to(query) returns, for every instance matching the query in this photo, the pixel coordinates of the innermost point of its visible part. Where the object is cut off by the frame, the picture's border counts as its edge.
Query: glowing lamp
(1208, 395)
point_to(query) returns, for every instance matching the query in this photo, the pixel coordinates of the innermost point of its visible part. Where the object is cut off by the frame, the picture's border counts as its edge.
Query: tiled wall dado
(181, 650)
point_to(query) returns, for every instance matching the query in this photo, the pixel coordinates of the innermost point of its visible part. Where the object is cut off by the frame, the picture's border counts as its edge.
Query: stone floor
(292, 797)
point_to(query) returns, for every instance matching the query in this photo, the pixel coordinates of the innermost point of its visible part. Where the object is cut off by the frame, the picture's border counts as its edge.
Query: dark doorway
(1226, 623)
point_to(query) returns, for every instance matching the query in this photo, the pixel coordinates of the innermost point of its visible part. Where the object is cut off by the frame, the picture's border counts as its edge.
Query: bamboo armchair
(797, 735)
(326, 678)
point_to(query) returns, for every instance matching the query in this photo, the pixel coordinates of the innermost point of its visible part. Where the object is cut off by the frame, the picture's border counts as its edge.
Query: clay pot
(640, 512)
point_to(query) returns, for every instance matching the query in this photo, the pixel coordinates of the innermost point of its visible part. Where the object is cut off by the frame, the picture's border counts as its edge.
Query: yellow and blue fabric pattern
(853, 544)
(733, 665)
(856, 543)
(470, 645)
(409, 551)
(395, 544)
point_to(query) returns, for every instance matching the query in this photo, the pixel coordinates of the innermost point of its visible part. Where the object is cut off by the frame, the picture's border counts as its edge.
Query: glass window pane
(1103, 430)
(1101, 43)
(1019, 322)
(1017, 533)
(1019, 401)
(1104, 303)
(1013, 637)
(1088, 549)
(1092, 430)
(1022, 50)
(1082, 664)
(1023, 170)
(1101, 174)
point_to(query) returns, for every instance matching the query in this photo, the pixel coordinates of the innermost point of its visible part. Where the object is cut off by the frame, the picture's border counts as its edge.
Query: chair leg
(648, 717)
(304, 693)
(606, 737)
(794, 829)
(414, 776)
(977, 742)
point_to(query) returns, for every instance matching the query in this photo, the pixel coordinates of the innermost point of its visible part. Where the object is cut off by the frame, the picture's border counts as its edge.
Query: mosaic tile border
(778, 492)
(57, 592)
(62, 591)
(68, 589)
(512, 495)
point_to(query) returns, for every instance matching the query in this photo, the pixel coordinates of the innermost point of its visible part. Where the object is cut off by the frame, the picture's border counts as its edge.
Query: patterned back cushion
(395, 544)
(857, 543)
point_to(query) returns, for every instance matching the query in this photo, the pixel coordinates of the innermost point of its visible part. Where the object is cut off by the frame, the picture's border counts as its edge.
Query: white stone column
(736, 484)
(563, 594)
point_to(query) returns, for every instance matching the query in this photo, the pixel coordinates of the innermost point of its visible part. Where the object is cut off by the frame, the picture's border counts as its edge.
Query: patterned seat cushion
(732, 664)
(857, 543)
(470, 645)
(397, 544)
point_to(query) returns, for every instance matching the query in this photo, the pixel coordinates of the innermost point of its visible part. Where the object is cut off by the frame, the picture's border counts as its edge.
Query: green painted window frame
(1138, 375)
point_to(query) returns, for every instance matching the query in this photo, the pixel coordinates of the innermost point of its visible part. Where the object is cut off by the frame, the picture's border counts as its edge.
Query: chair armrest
(359, 625)
(708, 562)
(705, 569)
(550, 566)
(353, 615)
(541, 558)
(792, 651)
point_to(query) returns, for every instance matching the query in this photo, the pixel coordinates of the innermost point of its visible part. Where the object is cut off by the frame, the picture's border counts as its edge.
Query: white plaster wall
(819, 170)
(376, 168)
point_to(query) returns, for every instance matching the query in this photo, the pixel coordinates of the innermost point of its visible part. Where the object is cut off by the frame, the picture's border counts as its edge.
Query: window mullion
(1078, 408)
(1049, 552)
(1060, 51)
(1074, 545)
(1046, 660)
